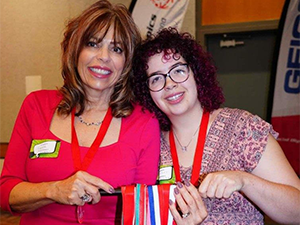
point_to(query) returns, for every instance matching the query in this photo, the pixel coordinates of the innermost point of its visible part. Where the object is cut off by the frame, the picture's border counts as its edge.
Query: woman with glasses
(226, 163)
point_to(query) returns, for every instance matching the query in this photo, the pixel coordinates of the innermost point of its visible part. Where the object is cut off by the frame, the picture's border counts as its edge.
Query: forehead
(163, 61)
(104, 34)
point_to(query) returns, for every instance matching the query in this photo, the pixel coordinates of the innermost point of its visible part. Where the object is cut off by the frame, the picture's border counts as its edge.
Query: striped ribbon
(147, 205)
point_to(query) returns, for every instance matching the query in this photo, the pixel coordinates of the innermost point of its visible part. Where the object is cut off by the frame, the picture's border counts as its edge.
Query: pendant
(79, 212)
(184, 148)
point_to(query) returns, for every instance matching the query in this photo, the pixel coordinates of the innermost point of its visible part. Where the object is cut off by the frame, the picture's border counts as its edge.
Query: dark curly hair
(210, 93)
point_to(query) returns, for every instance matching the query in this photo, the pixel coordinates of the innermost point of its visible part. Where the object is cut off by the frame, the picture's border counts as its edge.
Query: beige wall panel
(1, 164)
(31, 31)
(189, 22)
(30, 36)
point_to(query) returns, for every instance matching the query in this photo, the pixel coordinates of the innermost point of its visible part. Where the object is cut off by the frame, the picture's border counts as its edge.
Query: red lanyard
(128, 204)
(198, 154)
(94, 147)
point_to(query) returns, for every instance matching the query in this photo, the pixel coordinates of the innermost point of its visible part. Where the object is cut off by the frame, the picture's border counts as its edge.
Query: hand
(190, 203)
(70, 190)
(221, 184)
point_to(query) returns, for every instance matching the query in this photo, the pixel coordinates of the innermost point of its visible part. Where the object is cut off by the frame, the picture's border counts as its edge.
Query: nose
(103, 54)
(170, 84)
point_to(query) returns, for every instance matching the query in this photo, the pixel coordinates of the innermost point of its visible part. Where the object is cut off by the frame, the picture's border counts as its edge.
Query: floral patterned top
(236, 140)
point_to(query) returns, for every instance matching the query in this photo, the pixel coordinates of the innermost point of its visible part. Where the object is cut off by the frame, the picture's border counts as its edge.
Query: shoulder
(141, 119)
(249, 119)
(239, 120)
(44, 95)
(141, 113)
(234, 115)
(233, 112)
(44, 99)
(51, 97)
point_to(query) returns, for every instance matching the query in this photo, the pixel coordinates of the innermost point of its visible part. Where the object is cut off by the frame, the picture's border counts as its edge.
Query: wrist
(51, 190)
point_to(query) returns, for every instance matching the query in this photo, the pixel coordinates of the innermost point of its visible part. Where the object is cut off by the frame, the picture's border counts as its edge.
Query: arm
(273, 185)
(13, 171)
(26, 197)
(147, 168)
(18, 194)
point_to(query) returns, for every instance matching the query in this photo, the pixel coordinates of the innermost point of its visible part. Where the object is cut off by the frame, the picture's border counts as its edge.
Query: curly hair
(210, 93)
(98, 18)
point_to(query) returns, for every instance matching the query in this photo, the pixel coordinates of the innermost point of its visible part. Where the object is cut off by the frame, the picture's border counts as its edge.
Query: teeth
(175, 97)
(100, 71)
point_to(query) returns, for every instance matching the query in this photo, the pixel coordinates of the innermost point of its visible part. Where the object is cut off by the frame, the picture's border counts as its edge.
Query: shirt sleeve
(18, 149)
(256, 132)
(147, 170)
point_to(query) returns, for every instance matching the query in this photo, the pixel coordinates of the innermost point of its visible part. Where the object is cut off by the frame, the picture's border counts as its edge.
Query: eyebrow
(116, 43)
(170, 68)
(98, 40)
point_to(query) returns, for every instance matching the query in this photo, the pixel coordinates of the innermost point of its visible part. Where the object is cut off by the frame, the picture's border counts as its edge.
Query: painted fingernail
(179, 184)
(170, 202)
(187, 183)
(176, 191)
(111, 190)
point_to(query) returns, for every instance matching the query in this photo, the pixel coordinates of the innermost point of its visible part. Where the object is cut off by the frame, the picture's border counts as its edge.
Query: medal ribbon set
(147, 205)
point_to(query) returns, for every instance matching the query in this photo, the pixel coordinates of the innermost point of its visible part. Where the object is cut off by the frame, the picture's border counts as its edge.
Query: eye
(92, 44)
(180, 70)
(117, 49)
(155, 79)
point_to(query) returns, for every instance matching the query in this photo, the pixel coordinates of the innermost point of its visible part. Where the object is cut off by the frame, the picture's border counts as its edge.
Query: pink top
(236, 140)
(133, 159)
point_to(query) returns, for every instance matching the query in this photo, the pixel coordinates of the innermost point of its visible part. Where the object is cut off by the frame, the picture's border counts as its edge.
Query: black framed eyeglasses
(179, 73)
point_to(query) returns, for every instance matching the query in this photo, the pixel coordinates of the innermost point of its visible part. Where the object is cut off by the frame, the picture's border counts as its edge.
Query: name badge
(166, 174)
(44, 148)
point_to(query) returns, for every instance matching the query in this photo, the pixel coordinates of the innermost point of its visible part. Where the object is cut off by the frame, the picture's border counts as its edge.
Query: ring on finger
(86, 197)
(185, 215)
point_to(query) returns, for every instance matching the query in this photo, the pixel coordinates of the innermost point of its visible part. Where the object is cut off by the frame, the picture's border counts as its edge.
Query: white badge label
(165, 173)
(45, 147)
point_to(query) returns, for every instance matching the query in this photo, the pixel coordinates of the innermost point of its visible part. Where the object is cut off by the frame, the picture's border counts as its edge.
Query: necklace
(184, 148)
(90, 154)
(89, 124)
(198, 153)
(83, 165)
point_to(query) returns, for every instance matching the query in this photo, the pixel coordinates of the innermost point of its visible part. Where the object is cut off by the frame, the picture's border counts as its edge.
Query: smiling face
(100, 64)
(175, 98)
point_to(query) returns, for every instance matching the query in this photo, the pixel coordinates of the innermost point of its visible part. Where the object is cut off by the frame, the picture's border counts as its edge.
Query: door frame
(203, 31)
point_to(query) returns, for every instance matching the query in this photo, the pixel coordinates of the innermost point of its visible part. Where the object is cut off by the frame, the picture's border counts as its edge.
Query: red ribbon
(128, 204)
(88, 158)
(164, 191)
(198, 154)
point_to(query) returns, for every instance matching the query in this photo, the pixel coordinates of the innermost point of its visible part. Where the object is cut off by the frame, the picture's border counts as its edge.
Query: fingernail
(170, 202)
(179, 185)
(111, 190)
(187, 183)
(176, 191)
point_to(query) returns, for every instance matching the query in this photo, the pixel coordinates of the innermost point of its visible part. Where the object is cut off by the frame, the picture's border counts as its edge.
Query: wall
(31, 32)
(30, 36)
(238, 11)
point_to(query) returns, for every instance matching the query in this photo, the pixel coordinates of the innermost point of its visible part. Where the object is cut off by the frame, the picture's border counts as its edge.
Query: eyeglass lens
(177, 74)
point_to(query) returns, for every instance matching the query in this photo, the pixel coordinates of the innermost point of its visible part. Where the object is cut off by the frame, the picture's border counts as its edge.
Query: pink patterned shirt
(236, 140)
